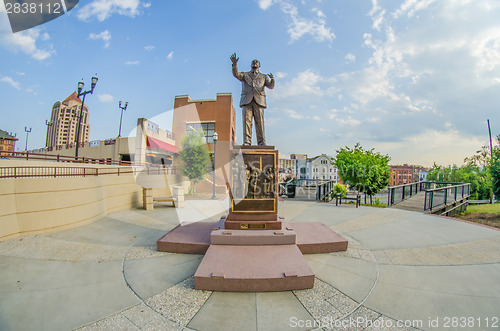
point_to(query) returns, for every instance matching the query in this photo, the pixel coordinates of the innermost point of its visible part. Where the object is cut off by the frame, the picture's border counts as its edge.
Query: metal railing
(399, 193)
(62, 158)
(396, 194)
(439, 198)
(323, 191)
(54, 172)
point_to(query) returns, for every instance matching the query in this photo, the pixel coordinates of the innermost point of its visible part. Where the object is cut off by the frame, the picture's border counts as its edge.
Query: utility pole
(491, 154)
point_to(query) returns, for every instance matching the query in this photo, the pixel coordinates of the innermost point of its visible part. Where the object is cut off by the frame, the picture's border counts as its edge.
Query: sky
(414, 79)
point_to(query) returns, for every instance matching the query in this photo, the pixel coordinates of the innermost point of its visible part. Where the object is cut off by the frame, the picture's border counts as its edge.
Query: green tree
(363, 170)
(195, 156)
(474, 171)
(495, 169)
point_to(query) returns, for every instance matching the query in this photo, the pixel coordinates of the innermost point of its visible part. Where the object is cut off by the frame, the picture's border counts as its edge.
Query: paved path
(400, 265)
(415, 203)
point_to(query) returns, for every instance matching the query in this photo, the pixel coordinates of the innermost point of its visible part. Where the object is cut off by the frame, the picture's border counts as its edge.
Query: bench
(177, 199)
(357, 199)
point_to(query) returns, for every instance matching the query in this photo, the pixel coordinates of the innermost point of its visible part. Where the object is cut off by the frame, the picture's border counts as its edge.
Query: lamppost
(215, 137)
(27, 135)
(84, 93)
(491, 154)
(121, 116)
(48, 124)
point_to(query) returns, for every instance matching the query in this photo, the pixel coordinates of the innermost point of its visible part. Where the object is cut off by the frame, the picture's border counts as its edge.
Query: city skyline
(415, 80)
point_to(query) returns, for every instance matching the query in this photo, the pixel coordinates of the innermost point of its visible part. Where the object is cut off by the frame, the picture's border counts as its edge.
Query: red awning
(155, 143)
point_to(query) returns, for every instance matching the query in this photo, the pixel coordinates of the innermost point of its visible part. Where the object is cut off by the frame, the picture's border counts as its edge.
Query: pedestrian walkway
(415, 203)
(400, 266)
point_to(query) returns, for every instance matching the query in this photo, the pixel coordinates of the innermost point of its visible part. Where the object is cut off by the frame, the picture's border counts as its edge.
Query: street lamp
(215, 137)
(491, 154)
(121, 116)
(84, 93)
(27, 135)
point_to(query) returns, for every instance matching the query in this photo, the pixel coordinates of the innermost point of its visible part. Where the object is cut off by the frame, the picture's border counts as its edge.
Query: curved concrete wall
(31, 205)
(34, 205)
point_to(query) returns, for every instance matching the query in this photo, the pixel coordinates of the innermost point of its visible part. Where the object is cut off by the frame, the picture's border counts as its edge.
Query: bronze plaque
(253, 226)
(253, 205)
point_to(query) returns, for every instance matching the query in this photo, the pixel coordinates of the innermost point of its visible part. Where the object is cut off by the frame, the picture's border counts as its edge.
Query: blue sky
(414, 79)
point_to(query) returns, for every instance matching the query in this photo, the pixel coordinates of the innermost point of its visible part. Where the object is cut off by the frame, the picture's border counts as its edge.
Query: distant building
(213, 115)
(286, 169)
(62, 129)
(401, 174)
(318, 167)
(7, 143)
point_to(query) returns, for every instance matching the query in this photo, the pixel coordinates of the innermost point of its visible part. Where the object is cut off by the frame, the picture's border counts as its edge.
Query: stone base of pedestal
(253, 269)
(252, 260)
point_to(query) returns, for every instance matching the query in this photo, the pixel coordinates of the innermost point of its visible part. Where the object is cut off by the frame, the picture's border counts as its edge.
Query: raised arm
(270, 81)
(234, 60)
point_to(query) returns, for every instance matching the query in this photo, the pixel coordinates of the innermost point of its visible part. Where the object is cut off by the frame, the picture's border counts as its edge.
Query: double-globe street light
(215, 137)
(121, 116)
(84, 93)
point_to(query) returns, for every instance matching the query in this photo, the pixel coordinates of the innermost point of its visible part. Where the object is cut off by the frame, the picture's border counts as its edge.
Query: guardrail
(323, 191)
(399, 193)
(54, 172)
(62, 158)
(440, 198)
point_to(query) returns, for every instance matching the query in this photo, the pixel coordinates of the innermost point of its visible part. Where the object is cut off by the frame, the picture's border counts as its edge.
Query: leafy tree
(195, 157)
(475, 171)
(363, 170)
(495, 169)
(338, 191)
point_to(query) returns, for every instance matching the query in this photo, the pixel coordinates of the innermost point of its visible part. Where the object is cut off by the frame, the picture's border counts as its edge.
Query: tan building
(63, 125)
(7, 143)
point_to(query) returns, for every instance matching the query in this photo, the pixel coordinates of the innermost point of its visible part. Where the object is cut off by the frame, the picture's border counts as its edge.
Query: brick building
(214, 115)
(7, 143)
(401, 174)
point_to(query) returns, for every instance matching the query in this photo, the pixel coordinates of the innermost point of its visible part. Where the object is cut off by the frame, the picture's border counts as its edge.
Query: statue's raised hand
(271, 75)
(234, 59)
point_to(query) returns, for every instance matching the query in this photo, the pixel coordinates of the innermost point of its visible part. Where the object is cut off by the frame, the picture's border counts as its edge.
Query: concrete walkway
(401, 265)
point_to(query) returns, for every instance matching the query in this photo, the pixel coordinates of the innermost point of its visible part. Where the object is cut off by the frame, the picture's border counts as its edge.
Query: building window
(208, 130)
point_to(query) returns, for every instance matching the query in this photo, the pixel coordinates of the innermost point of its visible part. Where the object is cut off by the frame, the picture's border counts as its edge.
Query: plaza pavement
(400, 265)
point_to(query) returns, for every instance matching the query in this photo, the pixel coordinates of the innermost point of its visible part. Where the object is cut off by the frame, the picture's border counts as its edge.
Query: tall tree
(363, 170)
(495, 169)
(195, 157)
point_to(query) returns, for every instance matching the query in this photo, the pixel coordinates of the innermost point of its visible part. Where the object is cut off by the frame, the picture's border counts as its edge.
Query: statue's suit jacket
(253, 87)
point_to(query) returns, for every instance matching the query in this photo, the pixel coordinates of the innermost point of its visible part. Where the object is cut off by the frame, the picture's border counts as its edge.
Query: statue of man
(253, 99)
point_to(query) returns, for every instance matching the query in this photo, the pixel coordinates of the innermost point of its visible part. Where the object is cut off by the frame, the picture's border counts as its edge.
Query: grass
(484, 208)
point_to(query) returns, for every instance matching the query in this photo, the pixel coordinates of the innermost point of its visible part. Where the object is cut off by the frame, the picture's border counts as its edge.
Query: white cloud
(265, 4)
(281, 75)
(11, 82)
(410, 7)
(26, 42)
(105, 97)
(300, 26)
(103, 9)
(306, 83)
(149, 48)
(104, 36)
(350, 57)
(316, 118)
(349, 121)
(131, 63)
(293, 114)
(170, 56)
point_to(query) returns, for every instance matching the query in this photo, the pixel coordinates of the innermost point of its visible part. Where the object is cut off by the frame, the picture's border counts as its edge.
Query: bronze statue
(253, 99)
(269, 183)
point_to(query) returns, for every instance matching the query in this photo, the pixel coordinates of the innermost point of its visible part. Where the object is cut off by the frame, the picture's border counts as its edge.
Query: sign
(153, 127)
(109, 141)
(94, 143)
